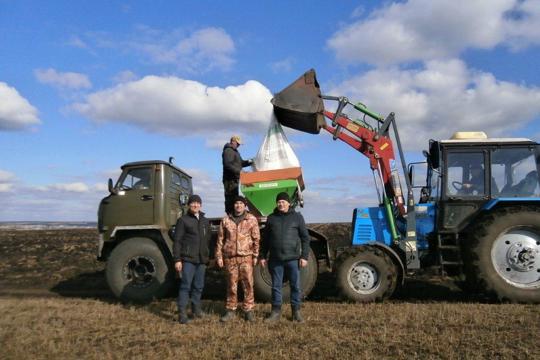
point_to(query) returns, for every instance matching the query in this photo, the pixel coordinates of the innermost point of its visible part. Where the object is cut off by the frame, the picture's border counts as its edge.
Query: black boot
(229, 315)
(274, 315)
(296, 315)
(182, 317)
(197, 311)
(248, 316)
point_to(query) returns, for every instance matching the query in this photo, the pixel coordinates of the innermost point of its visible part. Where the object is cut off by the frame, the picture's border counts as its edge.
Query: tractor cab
(470, 172)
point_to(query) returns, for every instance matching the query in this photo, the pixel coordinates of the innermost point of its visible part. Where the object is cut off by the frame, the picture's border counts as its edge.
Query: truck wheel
(137, 271)
(366, 274)
(263, 281)
(502, 259)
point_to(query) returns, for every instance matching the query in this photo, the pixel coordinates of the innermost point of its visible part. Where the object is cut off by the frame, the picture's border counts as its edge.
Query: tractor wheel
(502, 258)
(366, 274)
(263, 281)
(137, 271)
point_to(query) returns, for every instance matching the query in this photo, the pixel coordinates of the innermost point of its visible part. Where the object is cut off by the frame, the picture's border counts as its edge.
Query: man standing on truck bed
(191, 252)
(232, 165)
(286, 239)
(237, 249)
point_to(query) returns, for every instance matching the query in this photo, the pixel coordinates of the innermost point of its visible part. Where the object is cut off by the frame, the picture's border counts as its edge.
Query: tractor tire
(138, 272)
(263, 281)
(502, 257)
(366, 274)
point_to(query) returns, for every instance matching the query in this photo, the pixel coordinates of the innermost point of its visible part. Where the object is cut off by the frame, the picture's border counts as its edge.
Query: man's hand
(303, 263)
(263, 262)
(254, 261)
(219, 263)
(178, 266)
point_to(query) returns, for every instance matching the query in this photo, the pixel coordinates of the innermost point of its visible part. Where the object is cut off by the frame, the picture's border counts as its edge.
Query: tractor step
(449, 247)
(455, 263)
(449, 251)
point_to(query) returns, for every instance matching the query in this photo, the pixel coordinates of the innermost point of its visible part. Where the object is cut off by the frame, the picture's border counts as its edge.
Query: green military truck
(136, 228)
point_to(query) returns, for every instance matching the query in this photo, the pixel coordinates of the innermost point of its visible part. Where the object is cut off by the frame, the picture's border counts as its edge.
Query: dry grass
(430, 320)
(71, 328)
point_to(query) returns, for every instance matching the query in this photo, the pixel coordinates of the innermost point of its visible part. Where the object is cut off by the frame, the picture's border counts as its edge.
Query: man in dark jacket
(232, 165)
(191, 252)
(286, 240)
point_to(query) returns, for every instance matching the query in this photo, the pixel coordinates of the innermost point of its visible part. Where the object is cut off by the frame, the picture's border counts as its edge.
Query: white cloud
(6, 181)
(5, 187)
(69, 80)
(16, 113)
(523, 23)
(210, 190)
(325, 207)
(6, 176)
(51, 202)
(77, 42)
(201, 51)
(181, 107)
(427, 29)
(77, 187)
(283, 66)
(101, 187)
(444, 97)
(124, 76)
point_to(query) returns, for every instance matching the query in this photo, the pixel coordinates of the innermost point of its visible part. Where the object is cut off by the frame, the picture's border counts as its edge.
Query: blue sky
(86, 86)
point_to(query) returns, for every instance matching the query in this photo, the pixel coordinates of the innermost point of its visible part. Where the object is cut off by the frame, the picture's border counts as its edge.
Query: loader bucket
(299, 106)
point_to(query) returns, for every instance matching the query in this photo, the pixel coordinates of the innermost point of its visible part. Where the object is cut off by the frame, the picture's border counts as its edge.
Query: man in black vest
(191, 252)
(232, 165)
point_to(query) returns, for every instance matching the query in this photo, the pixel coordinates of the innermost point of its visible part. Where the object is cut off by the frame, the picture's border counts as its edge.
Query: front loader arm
(377, 148)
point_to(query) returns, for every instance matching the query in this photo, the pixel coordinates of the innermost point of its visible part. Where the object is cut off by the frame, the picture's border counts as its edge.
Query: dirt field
(55, 304)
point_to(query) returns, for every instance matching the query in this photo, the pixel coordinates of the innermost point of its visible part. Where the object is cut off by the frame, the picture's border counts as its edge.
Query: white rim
(363, 278)
(516, 257)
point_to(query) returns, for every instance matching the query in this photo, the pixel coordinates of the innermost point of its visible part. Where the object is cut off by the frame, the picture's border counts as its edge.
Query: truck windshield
(138, 179)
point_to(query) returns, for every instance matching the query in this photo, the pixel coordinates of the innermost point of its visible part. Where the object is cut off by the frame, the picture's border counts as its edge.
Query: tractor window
(465, 175)
(138, 179)
(515, 171)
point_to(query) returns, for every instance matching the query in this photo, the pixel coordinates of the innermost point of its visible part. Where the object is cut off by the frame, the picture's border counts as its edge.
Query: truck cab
(148, 196)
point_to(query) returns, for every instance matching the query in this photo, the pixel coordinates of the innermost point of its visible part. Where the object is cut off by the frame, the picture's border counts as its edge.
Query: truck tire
(502, 257)
(366, 274)
(263, 281)
(137, 271)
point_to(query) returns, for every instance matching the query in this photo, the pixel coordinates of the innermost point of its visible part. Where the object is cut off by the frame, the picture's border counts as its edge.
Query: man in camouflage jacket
(237, 250)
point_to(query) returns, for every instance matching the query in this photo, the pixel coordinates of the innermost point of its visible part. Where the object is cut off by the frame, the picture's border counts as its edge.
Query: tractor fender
(320, 246)
(395, 258)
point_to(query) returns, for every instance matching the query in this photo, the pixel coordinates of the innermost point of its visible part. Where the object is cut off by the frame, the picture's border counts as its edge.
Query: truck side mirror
(183, 199)
(112, 190)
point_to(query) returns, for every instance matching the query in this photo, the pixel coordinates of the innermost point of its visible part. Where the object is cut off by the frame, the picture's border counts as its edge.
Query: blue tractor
(478, 214)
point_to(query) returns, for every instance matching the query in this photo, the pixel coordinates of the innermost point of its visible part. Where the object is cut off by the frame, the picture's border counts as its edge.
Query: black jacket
(192, 239)
(285, 236)
(232, 163)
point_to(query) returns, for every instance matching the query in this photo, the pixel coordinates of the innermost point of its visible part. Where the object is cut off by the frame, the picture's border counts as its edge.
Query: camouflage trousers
(239, 269)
